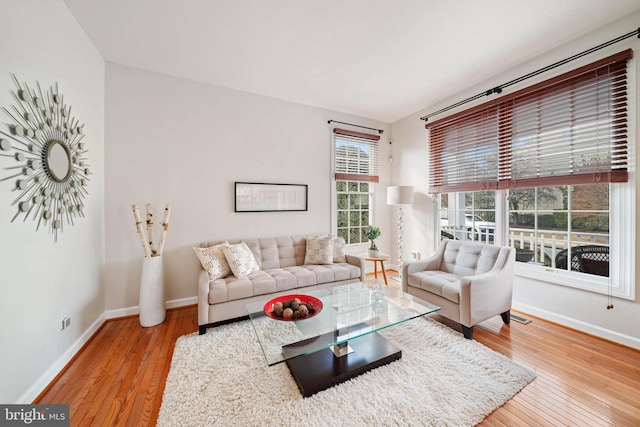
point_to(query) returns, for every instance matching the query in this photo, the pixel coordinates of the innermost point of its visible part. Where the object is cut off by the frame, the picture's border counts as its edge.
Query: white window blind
(356, 156)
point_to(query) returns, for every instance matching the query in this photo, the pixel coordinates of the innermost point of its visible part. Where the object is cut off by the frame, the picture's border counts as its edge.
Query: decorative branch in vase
(152, 302)
(146, 238)
(372, 233)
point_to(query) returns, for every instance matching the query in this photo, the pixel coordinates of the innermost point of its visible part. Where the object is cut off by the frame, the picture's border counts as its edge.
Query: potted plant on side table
(372, 233)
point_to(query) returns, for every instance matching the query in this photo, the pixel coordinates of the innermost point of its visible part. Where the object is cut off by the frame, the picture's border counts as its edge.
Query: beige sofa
(282, 271)
(471, 282)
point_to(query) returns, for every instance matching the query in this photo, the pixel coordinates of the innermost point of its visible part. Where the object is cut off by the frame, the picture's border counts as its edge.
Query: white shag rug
(443, 379)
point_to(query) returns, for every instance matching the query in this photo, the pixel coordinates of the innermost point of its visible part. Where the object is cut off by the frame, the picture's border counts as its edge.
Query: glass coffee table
(338, 341)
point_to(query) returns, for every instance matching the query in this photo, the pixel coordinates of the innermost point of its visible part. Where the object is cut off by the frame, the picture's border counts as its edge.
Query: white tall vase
(152, 302)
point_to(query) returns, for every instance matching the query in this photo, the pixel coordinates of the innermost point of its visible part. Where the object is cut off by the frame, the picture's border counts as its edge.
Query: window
(468, 216)
(579, 236)
(551, 225)
(356, 172)
(354, 205)
(549, 164)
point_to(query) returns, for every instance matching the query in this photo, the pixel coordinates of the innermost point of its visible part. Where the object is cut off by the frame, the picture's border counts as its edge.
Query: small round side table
(381, 259)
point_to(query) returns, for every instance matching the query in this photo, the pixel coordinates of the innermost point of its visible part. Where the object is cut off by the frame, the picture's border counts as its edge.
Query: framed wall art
(262, 197)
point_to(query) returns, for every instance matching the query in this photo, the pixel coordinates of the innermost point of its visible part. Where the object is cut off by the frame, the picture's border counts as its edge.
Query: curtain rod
(380, 131)
(498, 89)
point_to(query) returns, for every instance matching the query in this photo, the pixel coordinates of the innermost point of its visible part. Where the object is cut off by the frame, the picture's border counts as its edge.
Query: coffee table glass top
(349, 311)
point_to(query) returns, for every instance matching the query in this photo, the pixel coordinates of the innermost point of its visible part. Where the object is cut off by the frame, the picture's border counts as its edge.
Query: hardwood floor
(118, 377)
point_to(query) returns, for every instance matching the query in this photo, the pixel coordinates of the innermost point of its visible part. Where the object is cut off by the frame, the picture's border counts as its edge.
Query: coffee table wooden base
(321, 370)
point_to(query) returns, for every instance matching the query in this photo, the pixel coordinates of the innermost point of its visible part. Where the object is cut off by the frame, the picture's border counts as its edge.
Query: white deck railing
(547, 243)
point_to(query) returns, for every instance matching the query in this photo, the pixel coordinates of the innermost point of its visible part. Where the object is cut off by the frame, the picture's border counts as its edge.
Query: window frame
(372, 178)
(370, 195)
(621, 281)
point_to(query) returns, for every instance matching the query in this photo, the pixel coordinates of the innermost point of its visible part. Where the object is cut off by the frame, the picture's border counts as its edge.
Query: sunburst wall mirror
(49, 169)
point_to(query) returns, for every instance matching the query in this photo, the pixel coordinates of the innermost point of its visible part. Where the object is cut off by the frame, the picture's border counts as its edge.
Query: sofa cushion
(446, 285)
(214, 261)
(304, 276)
(283, 278)
(281, 252)
(240, 259)
(278, 279)
(319, 250)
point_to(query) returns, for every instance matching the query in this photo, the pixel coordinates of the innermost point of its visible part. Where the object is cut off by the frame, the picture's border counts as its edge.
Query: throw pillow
(319, 250)
(339, 246)
(240, 259)
(339, 250)
(213, 261)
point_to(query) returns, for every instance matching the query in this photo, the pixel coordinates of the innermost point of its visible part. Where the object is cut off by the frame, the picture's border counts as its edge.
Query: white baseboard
(579, 325)
(182, 302)
(37, 388)
(130, 311)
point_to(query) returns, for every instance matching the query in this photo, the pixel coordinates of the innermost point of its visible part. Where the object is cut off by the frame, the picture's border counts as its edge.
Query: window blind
(356, 156)
(464, 156)
(568, 130)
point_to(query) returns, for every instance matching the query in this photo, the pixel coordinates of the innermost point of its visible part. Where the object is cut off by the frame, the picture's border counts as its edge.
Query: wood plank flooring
(118, 378)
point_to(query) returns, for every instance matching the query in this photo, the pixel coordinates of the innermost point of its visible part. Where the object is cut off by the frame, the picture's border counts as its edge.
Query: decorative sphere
(303, 310)
(278, 309)
(287, 313)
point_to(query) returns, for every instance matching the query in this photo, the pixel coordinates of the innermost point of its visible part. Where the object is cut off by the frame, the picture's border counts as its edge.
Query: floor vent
(520, 319)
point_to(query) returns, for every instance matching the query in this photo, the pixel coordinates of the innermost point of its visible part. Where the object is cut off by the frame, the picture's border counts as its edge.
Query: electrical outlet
(65, 320)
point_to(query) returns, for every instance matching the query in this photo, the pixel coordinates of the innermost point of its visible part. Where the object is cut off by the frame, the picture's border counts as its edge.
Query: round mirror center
(58, 161)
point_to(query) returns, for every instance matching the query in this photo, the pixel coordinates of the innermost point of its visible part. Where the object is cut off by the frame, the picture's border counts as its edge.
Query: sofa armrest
(431, 263)
(489, 293)
(203, 297)
(358, 262)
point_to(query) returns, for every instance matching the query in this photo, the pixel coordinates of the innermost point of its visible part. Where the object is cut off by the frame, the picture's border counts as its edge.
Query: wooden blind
(464, 157)
(356, 156)
(568, 130)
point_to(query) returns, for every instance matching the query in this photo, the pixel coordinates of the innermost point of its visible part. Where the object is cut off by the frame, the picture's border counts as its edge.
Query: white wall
(41, 42)
(576, 308)
(176, 141)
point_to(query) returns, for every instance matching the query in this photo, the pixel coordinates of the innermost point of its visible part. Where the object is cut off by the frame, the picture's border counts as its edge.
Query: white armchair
(471, 282)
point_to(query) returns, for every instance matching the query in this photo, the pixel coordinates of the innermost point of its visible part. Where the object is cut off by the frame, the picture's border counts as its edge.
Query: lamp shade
(399, 195)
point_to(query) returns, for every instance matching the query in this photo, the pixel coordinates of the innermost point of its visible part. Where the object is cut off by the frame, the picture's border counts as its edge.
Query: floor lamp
(399, 195)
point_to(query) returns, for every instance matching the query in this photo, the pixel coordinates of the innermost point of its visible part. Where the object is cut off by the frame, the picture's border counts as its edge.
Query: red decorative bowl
(317, 306)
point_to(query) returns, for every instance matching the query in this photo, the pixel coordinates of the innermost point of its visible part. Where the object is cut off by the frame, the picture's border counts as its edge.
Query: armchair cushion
(446, 285)
(469, 259)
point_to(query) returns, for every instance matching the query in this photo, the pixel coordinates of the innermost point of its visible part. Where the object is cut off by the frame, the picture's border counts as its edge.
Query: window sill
(596, 284)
